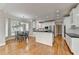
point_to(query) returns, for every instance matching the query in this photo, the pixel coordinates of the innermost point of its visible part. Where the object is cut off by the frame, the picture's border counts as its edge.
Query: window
(16, 25)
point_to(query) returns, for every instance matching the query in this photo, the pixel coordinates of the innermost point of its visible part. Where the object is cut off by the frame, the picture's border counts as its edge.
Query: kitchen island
(44, 37)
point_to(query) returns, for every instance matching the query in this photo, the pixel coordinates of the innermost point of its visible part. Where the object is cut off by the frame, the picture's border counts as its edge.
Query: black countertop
(73, 35)
(42, 31)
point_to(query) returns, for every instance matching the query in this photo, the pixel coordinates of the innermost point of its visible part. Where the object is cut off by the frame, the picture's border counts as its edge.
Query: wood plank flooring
(60, 47)
(14, 47)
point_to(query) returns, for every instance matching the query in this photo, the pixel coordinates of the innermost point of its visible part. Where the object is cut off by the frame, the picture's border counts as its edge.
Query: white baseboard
(11, 37)
(1, 44)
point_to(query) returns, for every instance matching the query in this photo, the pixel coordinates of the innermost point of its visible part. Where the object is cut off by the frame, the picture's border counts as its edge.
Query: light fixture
(23, 16)
(57, 11)
(47, 17)
(36, 16)
(57, 15)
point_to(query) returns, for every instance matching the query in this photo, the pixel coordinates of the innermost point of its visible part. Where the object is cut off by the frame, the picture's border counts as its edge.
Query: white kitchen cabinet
(44, 37)
(73, 19)
(75, 45)
(67, 22)
(75, 16)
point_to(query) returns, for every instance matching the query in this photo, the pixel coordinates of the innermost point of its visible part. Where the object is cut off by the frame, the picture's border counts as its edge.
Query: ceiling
(37, 10)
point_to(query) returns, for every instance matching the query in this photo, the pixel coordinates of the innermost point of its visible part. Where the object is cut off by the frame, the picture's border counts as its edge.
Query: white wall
(31, 28)
(2, 28)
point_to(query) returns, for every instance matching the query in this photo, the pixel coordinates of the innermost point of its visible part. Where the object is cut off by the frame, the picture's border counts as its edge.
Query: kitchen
(43, 31)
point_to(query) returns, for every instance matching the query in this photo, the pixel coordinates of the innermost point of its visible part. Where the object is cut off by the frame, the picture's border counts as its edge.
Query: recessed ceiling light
(47, 17)
(36, 16)
(57, 11)
(58, 15)
(23, 16)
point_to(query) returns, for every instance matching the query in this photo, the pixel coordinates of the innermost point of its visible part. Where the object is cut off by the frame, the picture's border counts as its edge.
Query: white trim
(9, 38)
(2, 44)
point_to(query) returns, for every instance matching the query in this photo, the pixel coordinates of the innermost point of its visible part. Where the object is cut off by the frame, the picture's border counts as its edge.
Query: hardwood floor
(60, 47)
(14, 47)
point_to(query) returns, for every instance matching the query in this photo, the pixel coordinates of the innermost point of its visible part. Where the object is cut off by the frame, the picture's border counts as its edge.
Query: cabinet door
(76, 16)
(75, 45)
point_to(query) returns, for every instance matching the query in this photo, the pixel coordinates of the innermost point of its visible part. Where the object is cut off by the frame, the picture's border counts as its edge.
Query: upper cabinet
(73, 19)
(67, 22)
(74, 14)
